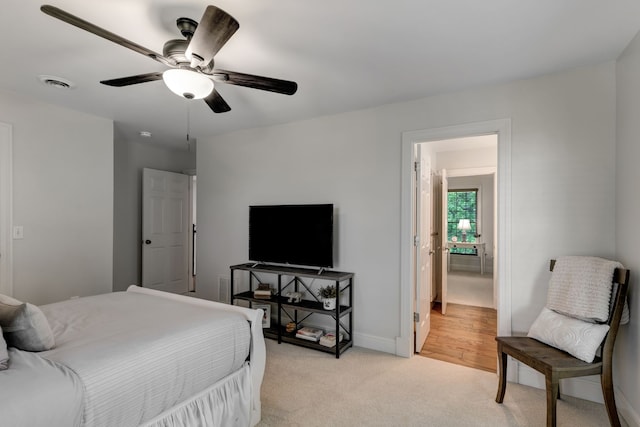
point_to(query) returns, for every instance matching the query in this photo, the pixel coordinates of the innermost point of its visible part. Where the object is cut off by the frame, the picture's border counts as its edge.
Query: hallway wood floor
(464, 336)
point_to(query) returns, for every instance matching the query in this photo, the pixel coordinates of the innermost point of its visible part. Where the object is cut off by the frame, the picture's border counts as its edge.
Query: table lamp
(464, 225)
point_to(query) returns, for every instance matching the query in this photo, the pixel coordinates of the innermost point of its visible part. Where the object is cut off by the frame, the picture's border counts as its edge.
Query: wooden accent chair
(556, 364)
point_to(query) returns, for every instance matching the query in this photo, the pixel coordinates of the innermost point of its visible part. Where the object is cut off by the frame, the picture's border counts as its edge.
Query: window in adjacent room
(462, 204)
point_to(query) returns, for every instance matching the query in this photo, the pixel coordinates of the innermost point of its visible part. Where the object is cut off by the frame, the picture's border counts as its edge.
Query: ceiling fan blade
(94, 29)
(216, 102)
(256, 82)
(215, 28)
(132, 80)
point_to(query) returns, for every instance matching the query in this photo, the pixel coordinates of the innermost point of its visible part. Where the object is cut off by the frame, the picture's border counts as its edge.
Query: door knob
(147, 242)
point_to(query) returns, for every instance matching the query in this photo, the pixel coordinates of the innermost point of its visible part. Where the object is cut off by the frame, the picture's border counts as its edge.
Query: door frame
(6, 209)
(501, 127)
(192, 250)
(444, 240)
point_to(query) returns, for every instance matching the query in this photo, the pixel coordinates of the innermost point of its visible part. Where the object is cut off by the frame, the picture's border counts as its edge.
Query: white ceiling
(344, 55)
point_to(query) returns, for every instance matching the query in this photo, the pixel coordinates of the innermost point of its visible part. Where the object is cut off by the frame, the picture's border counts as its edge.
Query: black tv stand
(298, 312)
(264, 264)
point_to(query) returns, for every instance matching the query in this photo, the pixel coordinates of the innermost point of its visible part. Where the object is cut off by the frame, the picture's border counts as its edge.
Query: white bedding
(144, 356)
(37, 392)
(138, 355)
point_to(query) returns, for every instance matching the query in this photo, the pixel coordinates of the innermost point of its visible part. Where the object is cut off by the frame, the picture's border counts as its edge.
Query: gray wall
(563, 184)
(63, 197)
(562, 189)
(130, 157)
(627, 210)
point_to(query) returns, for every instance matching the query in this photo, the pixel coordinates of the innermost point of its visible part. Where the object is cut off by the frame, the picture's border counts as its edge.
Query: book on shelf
(263, 291)
(309, 333)
(329, 339)
(307, 338)
(262, 295)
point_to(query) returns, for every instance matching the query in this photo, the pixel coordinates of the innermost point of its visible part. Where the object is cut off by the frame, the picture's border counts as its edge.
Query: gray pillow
(8, 312)
(24, 325)
(4, 354)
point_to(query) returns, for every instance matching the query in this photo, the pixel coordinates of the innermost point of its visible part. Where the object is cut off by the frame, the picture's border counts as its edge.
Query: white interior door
(165, 230)
(445, 240)
(423, 251)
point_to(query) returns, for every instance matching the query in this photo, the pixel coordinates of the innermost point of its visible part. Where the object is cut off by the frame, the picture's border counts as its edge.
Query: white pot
(329, 303)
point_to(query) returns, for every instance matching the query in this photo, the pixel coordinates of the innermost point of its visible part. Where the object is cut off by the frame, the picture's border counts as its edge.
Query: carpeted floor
(470, 289)
(304, 387)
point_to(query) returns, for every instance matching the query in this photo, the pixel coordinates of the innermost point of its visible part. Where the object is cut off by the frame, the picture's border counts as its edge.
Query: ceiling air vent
(57, 82)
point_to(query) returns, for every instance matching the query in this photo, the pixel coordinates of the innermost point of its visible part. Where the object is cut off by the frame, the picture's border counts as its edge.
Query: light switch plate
(18, 232)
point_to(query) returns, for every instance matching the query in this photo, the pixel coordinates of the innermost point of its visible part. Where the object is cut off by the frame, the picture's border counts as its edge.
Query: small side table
(467, 245)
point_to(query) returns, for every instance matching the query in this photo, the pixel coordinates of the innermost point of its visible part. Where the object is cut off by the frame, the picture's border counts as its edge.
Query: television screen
(292, 234)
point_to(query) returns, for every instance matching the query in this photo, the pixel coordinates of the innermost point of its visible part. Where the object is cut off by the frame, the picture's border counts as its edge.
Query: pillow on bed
(578, 338)
(24, 325)
(4, 354)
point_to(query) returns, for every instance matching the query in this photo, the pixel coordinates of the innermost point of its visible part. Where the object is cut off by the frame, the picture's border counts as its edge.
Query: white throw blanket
(581, 287)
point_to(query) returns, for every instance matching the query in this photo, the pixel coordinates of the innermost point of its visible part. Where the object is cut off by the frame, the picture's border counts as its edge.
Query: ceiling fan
(192, 73)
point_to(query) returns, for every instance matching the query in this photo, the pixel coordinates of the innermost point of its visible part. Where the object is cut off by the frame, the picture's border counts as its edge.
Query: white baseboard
(373, 342)
(587, 388)
(625, 410)
(530, 377)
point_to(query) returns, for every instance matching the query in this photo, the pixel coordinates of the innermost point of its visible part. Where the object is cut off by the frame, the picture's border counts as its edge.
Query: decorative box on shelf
(329, 339)
(309, 333)
(263, 291)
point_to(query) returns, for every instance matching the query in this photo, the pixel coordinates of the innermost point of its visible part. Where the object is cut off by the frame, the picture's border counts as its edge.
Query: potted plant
(328, 295)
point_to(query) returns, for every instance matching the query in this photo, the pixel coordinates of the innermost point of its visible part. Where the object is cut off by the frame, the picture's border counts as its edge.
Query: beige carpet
(304, 387)
(470, 289)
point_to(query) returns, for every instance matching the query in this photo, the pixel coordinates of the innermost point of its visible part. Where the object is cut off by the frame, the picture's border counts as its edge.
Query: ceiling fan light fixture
(187, 84)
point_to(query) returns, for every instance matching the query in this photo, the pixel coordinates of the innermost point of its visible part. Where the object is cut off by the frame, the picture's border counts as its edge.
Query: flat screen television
(292, 234)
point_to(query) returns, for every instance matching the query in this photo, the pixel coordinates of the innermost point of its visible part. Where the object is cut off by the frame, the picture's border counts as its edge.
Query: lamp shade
(464, 225)
(188, 84)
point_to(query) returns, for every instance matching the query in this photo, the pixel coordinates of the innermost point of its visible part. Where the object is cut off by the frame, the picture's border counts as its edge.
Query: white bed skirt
(258, 352)
(226, 403)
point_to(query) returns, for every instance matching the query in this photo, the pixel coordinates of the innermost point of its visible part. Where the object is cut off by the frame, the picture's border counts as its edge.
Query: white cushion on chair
(578, 338)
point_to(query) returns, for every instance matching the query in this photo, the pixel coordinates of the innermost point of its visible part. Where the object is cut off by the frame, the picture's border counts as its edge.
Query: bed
(139, 358)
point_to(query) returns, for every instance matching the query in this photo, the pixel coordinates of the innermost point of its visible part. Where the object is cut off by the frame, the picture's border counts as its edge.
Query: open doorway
(412, 319)
(463, 313)
(469, 223)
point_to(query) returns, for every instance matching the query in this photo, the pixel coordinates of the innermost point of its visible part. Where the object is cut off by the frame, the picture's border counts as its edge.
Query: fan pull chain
(188, 126)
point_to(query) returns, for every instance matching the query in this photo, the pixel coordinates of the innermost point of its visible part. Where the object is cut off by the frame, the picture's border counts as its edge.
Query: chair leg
(552, 396)
(559, 393)
(502, 370)
(606, 382)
